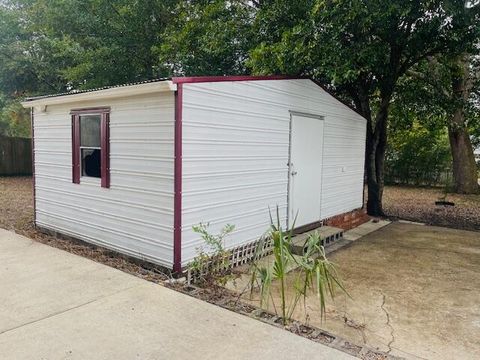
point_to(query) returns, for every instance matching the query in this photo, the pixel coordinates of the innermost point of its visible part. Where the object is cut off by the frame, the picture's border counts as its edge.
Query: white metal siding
(235, 155)
(134, 216)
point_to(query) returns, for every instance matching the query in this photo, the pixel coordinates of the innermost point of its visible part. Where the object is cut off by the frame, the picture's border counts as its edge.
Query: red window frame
(104, 113)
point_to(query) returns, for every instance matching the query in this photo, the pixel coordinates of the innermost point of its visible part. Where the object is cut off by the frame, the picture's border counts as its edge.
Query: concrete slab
(414, 289)
(55, 305)
(323, 232)
(364, 229)
(328, 234)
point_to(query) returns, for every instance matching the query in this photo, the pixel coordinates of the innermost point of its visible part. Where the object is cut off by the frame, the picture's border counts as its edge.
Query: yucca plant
(313, 274)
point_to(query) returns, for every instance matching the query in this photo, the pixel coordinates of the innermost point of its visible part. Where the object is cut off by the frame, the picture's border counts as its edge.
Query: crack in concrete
(389, 345)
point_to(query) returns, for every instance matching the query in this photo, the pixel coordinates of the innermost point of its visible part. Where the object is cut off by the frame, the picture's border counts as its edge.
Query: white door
(306, 157)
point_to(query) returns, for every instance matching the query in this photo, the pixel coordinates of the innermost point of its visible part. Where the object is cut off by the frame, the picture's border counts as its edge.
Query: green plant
(418, 155)
(211, 266)
(314, 273)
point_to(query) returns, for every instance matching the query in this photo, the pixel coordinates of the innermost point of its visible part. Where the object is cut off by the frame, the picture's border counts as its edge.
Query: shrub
(211, 266)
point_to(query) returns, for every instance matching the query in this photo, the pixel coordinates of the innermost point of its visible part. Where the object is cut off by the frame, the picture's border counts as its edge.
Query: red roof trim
(203, 79)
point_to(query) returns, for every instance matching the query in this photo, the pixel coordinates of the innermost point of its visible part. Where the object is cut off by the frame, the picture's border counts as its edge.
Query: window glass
(90, 130)
(91, 162)
(90, 145)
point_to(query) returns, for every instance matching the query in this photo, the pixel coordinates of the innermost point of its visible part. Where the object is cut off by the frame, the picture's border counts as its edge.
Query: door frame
(293, 113)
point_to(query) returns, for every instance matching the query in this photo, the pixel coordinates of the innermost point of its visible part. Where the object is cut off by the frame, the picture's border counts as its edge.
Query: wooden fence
(15, 156)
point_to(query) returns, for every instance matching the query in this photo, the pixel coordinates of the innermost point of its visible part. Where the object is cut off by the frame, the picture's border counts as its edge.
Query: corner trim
(177, 213)
(32, 120)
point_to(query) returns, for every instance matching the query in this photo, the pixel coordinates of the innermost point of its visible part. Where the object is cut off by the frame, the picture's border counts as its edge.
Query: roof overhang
(108, 93)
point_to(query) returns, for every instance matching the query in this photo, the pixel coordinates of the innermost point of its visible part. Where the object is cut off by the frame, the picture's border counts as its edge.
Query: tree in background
(95, 43)
(208, 37)
(444, 89)
(51, 46)
(417, 154)
(362, 48)
(14, 119)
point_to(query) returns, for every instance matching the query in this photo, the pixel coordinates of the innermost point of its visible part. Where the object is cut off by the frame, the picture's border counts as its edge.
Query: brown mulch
(16, 214)
(418, 204)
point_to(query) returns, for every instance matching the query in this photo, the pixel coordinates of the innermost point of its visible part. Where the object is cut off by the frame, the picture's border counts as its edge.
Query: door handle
(294, 173)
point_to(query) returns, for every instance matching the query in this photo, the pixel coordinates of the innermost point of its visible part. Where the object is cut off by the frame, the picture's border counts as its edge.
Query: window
(90, 145)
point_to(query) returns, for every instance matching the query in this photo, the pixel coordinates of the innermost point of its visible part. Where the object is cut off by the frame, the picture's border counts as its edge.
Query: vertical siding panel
(235, 154)
(135, 215)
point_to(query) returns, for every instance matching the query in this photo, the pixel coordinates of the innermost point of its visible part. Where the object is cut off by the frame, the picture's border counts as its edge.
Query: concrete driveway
(55, 305)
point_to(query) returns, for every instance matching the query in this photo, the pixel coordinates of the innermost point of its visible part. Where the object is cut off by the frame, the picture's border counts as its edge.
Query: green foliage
(426, 93)
(211, 265)
(314, 273)
(418, 156)
(14, 119)
(50, 46)
(81, 43)
(209, 37)
(361, 49)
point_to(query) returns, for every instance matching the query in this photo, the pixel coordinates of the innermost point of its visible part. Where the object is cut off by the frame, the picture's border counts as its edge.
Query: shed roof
(74, 92)
(115, 91)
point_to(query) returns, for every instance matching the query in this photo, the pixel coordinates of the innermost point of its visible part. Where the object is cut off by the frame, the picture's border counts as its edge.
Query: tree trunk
(464, 166)
(375, 153)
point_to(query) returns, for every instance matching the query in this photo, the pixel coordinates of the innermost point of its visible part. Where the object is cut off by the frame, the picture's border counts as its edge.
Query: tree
(51, 46)
(82, 44)
(14, 119)
(442, 90)
(418, 153)
(207, 37)
(464, 165)
(362, 48)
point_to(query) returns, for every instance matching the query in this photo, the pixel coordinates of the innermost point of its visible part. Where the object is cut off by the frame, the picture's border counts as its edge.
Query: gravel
(418, 204)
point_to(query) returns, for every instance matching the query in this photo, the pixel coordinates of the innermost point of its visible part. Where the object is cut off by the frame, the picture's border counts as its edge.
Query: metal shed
(133, 167)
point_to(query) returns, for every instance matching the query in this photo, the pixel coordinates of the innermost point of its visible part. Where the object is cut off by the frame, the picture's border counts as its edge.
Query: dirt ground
(16, 213)
(414, 293)
(418, 204)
